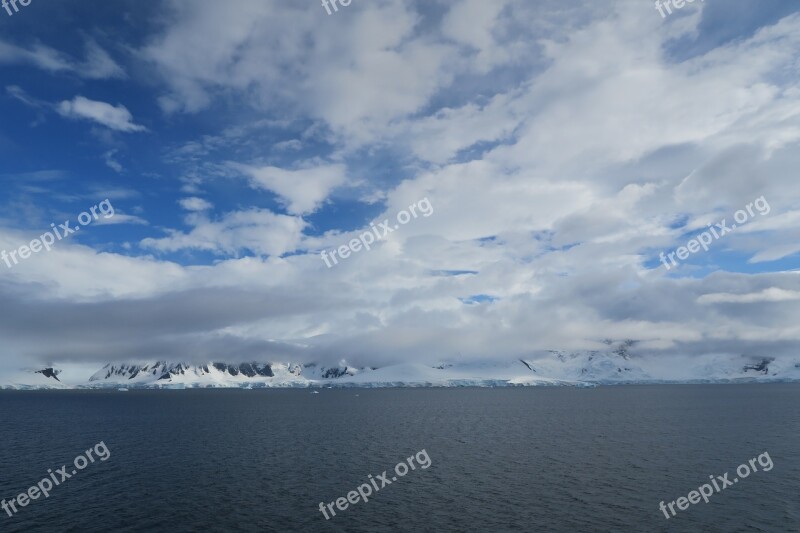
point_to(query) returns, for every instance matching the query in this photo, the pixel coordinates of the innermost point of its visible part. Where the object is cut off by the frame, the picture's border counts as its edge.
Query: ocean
(500, 459)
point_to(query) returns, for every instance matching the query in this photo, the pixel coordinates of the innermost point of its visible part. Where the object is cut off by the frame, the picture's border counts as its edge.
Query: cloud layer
(563, 145)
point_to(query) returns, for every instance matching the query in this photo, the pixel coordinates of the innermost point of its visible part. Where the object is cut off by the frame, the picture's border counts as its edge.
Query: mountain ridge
(552, 368)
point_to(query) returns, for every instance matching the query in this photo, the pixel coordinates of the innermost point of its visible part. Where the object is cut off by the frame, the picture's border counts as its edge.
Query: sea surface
(505, 459)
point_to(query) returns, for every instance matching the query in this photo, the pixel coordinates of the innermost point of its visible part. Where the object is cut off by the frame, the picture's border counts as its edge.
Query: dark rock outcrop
(50, 373)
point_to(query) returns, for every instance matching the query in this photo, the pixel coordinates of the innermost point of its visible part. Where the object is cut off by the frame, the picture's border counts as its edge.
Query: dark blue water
(536, 459)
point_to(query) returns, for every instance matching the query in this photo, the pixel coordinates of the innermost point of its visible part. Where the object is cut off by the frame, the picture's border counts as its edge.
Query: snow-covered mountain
(553, 368)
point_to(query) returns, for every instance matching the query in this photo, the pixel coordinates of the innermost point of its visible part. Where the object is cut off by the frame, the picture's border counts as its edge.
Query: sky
(561, 147)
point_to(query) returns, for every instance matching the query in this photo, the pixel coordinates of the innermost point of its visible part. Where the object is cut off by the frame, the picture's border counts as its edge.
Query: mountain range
(553, 368)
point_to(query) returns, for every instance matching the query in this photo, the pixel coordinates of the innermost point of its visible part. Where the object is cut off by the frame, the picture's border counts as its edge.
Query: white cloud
(773, 294)
(112, 163)
(357, 74)
(552, 182)
(293, 144)
(120, 218)
(96, 65)
(193, 203)
(117, 118)
(256, 230)
(40, 56)
(438, 138)
(303, 190)
(471, 23)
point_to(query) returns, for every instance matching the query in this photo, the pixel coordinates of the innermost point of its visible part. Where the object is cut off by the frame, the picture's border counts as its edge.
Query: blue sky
(562, 145)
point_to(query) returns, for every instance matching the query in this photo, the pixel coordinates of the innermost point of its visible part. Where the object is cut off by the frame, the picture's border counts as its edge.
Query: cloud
(120, 218)
(259, 231)
(439, 138)
(472, 23)
(302, 191)
(193, 203)
(38, 55)
(117, 118)
(97, 64)
(350, 75)
(293, 144)
(562, 146)
(112, 163)
(17, 92)
(772, 294)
